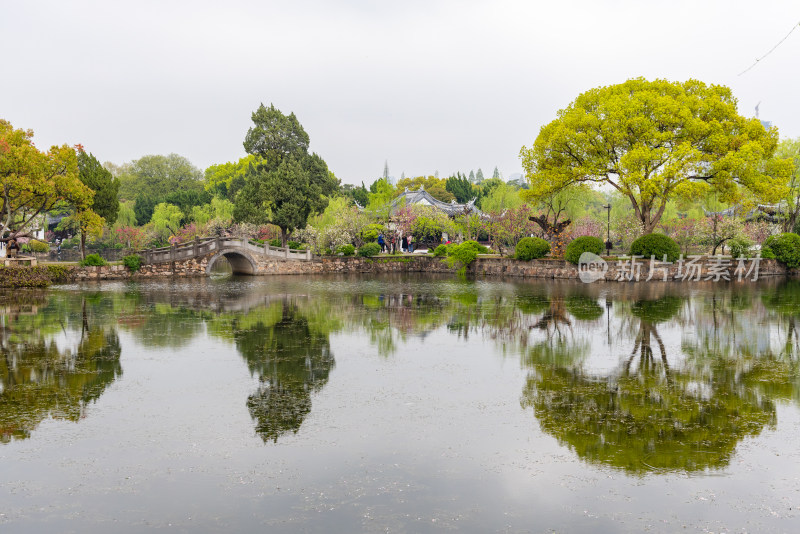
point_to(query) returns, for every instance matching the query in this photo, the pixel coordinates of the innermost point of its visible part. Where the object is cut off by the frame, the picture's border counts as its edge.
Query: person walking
(382, 242)
(404, 244)
(394, 244)
(411, 243)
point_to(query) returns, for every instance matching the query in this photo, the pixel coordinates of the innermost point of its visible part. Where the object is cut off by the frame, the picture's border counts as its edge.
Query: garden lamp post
(608, 230)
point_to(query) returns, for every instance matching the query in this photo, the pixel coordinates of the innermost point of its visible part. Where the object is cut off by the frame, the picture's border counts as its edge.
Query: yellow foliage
(654, 141)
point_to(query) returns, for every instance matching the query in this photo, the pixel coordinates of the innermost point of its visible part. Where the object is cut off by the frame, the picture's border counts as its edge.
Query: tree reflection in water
(37, 379)
(292, 361)
(700, 369)
(646, 415)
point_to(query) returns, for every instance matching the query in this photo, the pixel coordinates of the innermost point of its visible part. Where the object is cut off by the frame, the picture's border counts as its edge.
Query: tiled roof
(422, 197)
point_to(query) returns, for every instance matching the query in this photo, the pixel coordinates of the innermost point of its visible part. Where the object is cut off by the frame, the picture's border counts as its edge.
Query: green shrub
(480, 249)
(767, 253)
(368, 250)
(132, 262)
(346, 250)
(786, 248)
(39, 276)
(370, 232)
(93, 260)
(657, 245)
(579, 245)
(531, 248)
(38, 246)
(740, 247)
(463, 255)
(441, 250)
(60, 273)
(294, 245)
(275, 242)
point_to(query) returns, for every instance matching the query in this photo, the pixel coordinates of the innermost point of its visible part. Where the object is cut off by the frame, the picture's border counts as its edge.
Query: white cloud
(427, 85)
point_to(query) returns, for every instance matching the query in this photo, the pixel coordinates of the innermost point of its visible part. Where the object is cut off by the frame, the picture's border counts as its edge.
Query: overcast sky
(425, 85)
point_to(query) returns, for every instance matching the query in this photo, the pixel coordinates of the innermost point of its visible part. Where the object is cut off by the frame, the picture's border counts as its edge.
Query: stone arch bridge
(244, 255)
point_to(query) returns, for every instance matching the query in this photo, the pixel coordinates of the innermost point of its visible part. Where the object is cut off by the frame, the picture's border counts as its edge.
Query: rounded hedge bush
(93, 260)
(579, 245)
(441, 250)
(346, 250)
(656, 245)
(463, 255)
(369, 249)
(479, 249)
(38, 246)
(785, 247)
(767, 253)
(132, 262)
(531, 248)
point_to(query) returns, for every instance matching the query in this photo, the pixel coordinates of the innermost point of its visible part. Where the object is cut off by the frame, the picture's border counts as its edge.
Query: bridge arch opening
(240, 264)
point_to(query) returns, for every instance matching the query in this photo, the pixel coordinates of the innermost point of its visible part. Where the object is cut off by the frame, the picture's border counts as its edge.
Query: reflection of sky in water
(419, 404)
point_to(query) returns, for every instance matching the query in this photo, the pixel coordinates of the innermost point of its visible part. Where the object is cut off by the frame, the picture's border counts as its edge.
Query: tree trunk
(284, 237)
(83, 244)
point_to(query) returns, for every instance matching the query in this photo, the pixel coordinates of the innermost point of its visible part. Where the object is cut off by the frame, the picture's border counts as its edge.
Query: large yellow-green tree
(790, 149)
(33, 182)
(657, 140)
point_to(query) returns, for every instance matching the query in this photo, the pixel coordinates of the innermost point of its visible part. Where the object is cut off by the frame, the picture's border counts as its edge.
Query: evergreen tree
(496, 173)
(386, 170)
(479, 176)
(275, 136)
(460, 187)
(472, 177)
(105, 202)
(287, 184)
(143, 208)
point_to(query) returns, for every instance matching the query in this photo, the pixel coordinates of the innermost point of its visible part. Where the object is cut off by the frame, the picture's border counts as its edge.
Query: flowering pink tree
(185, 233)
(134, 238)
(714, 231)
(626, 229)
(266, 232)
(587, 225)
(759, 231)
(685, 232)
(509, 226)
(403, 220)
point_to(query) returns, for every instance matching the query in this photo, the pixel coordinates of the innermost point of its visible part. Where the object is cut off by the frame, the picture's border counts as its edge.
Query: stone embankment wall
(701, 269)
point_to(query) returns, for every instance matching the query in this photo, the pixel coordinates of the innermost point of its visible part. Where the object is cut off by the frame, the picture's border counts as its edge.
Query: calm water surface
(400, 405)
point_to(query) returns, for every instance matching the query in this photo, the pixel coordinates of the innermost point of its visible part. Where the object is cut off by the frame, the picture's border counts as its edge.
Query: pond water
(400, 404)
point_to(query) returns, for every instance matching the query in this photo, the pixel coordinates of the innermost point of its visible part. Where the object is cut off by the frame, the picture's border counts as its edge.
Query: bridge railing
(205, 245)
(280, 252)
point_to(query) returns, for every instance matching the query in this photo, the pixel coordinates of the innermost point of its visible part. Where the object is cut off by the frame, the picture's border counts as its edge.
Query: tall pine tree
(106, 190)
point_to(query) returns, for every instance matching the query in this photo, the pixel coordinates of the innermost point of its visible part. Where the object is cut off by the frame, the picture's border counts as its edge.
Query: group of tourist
(390, 246)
